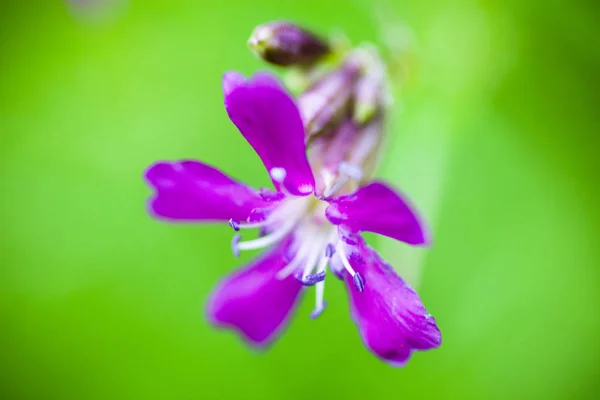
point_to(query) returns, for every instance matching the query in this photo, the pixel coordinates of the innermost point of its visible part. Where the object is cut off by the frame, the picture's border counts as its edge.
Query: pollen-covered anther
(234, 224)
(329, 250)
(359, 282)
(311, 279)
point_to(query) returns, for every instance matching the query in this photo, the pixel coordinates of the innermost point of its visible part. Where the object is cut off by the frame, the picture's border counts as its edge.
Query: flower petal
(270, 121)
(192, 191)
(253, 301)
(390, 316)
(379, 209)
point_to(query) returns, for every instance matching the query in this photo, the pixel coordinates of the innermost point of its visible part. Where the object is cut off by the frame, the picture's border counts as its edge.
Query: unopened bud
(340, 142)
(328, 152)
(371, 93)
(283, 43)
(366, 148)
(324, 103)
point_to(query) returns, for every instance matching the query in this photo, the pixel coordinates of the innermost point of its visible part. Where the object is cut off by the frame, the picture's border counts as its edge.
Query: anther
(329, 250)
(359, 282)
(234, 244)
(234, 224)
(311, 279)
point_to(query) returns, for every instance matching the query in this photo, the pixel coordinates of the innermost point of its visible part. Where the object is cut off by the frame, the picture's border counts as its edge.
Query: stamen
(246, 225)
(323, 262)
(235, 240)
(359, 282)
(318, 310)
(303, 251)
(320, 303)
(234, 224)
(344, 259)
(311, 279)
(320, 286)
(329, 250)
(314, 257)
(288, 214)
(271, 238)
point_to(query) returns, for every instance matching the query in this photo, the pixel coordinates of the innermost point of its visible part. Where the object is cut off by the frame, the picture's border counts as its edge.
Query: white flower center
(315, 243)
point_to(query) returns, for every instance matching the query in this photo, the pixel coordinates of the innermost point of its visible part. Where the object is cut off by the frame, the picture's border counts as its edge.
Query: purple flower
(304, 235)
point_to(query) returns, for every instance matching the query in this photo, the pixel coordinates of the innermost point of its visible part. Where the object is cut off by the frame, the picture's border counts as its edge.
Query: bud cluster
(343, 97)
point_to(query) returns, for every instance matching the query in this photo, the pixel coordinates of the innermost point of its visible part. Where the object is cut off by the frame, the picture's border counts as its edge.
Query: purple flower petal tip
(266, 79)
(378, 208)
(391, 318)
(253, 301)
(269, 119)
(231, 81)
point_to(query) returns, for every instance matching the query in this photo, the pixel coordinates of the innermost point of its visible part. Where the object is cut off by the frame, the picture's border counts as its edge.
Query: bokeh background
(495, 136)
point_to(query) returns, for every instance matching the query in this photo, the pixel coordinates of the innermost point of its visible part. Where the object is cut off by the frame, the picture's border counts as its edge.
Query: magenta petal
(253, 301)
(192, 191)
(390, 316)
(231, 81)
(270, 121)
(379, 209)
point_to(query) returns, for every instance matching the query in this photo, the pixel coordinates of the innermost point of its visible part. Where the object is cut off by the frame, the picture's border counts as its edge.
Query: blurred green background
(495, 136)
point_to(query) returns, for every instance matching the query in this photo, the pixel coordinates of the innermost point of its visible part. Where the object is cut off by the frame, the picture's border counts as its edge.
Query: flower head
(309, 226)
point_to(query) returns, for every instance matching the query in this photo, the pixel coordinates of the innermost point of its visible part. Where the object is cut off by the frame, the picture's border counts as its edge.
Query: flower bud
(346, 155)
(325, 102)
(366, 148)
(329, 152)
(285, 44)
(371, 93)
